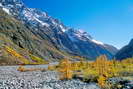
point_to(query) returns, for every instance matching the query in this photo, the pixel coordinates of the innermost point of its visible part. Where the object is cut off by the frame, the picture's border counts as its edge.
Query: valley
(38, 51)
(99, 74)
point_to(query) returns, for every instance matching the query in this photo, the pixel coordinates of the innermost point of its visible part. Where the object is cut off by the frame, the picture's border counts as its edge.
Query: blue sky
(109, 21)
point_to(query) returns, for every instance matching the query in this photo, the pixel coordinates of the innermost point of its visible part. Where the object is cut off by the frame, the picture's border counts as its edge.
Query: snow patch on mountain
(77, 35)
(6, 10)
(41, 22)
(62, 28)
(1, 5)
(31, 16)
(97, 42)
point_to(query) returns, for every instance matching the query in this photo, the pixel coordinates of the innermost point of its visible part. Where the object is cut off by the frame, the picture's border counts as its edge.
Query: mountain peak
(75, 41)
(76, 35)
(80, 34)
(11, 1)
(131, 42)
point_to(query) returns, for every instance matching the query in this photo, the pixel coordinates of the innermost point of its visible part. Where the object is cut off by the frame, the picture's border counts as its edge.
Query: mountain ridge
(125, 52)
(64, 39)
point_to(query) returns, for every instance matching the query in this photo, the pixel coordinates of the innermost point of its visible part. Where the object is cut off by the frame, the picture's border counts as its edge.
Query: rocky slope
(125, 52)
(49, 38)
(18, 43)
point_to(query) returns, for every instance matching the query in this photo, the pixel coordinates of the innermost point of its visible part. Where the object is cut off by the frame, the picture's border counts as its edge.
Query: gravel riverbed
(10, 78)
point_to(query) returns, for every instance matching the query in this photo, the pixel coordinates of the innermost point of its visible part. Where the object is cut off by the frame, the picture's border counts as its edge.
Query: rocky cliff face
(125, 52)
(53, 39)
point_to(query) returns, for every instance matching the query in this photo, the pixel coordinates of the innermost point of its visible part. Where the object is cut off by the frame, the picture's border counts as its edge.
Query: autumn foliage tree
(96, 71)
(102, 68)
(65, 69)
(101, 65)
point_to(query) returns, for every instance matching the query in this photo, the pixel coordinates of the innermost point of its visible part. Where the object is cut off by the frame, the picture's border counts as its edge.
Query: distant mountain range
(44, 36)
(125, 52)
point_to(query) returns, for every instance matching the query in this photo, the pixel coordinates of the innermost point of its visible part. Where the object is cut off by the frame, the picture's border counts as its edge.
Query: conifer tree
(65, 69)
(102, 66)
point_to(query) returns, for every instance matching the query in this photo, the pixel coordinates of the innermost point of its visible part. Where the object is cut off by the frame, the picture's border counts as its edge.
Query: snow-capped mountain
(31, 16)
(64, 38)
(76, 35)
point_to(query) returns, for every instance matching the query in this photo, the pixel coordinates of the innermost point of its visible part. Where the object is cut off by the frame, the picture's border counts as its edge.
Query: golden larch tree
(65, 69)
(102, 68)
